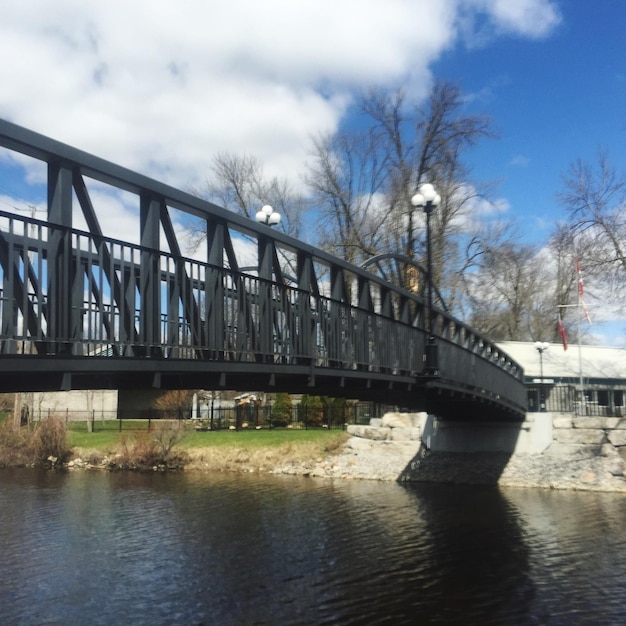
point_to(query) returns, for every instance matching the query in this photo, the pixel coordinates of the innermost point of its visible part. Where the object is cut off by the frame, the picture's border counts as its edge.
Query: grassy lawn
(260, 438)
(259, 450)
(107, 435)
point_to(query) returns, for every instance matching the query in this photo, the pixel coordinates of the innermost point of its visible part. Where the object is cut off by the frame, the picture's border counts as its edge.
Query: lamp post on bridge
(266, 253)
(270, 218)
(428, 200)
(267, 216)
(541, 347)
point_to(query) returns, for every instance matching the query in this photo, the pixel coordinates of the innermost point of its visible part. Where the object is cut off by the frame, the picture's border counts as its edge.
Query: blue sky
(171, 84)
(552, 101)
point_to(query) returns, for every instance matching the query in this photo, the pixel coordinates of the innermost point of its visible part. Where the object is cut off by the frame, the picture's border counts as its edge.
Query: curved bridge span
(82, 310)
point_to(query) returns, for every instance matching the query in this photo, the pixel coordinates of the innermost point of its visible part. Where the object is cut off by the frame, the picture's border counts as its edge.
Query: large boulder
(402, 420)
(562, 421)
(584, 436)
(569, 450)
(369, 432)
(358, 443)
(617, 437)
(405, 434)
(396, 420)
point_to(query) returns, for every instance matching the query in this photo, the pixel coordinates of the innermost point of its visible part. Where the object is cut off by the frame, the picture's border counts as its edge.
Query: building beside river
(555, 376)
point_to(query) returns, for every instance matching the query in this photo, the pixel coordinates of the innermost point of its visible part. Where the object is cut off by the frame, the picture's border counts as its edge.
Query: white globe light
(428, 191)
(418, 200)
(267, 216)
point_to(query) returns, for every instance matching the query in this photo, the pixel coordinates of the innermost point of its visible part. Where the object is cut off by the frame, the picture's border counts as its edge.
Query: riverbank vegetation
(44, 443)
(164, 445)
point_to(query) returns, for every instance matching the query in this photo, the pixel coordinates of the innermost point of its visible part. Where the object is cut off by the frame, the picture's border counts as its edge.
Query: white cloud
(480, 21)
(160, 87)
(524, 17)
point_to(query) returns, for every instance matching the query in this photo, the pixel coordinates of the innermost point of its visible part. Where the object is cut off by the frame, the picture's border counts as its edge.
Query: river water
(125, 548)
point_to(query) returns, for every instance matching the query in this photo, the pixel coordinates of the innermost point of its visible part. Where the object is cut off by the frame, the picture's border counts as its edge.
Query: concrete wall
(588, 436)
(554, 434)
(73, 405)
(532, 436)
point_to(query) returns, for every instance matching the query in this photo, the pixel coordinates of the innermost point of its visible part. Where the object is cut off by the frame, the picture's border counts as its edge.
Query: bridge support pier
(532, 436)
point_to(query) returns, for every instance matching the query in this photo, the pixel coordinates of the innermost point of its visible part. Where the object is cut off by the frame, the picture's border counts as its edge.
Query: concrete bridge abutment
(531, 436)
(551, 434)
(548, 450)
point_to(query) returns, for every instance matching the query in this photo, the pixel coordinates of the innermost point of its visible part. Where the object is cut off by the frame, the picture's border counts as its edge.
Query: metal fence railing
(249, 416)
(598, 402)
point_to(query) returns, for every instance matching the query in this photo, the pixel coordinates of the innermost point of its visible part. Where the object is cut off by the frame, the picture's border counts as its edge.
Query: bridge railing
(301, 326)
(80, 293)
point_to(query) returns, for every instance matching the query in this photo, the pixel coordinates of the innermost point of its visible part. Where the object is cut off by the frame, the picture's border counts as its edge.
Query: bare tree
(175, 403)
(363, 185)
(595, 200)
(347, 178)
(510, 293)
(239, 184)
(517, 291)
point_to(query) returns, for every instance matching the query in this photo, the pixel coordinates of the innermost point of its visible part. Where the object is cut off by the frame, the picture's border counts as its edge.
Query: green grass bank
(138, 444)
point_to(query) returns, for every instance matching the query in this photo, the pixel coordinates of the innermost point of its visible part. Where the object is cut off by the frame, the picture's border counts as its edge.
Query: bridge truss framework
(81, 310)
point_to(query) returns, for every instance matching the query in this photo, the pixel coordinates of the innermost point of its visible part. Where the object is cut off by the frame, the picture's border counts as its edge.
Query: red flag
(562, 333)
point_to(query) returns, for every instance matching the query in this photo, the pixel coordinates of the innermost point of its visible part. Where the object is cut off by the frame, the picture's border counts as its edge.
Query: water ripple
(97, 548)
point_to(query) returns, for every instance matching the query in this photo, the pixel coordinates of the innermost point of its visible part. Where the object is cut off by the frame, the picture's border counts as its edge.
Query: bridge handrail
(448, 327)
(328, 282)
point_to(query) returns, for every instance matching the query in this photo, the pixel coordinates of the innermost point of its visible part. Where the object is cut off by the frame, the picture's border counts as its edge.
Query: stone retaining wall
(587, 436)
(531, 436)
(570, 453)
(560, 434)
(391, 427)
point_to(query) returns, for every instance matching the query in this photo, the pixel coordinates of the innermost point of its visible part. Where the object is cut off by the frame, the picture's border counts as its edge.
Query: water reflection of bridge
(81, 310)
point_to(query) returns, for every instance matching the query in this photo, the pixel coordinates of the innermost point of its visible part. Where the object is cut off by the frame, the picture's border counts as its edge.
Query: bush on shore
(45, 443)
(48, 443)
(148, 450)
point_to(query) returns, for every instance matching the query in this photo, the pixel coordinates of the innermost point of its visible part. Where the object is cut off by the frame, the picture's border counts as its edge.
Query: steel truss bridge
(82, 310)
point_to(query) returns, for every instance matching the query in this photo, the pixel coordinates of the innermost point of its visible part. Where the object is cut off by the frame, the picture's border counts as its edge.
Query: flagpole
(580, 361)
(581, 308)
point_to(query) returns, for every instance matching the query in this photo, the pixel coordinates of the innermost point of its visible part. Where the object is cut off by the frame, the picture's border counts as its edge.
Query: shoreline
(407, 462)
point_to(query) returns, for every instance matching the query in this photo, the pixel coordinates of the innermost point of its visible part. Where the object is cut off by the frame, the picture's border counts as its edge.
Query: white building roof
(597, 362)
